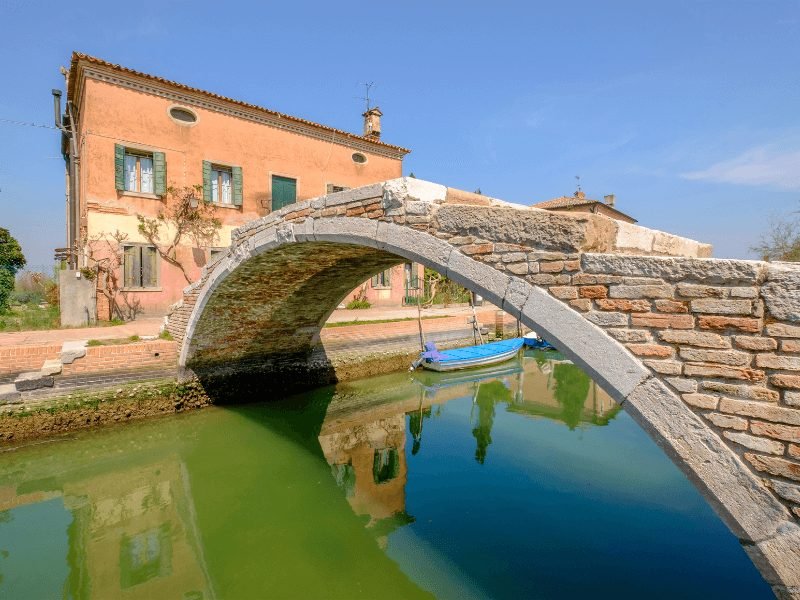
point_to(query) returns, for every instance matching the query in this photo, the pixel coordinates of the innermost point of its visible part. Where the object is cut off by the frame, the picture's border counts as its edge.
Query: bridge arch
(259, 310)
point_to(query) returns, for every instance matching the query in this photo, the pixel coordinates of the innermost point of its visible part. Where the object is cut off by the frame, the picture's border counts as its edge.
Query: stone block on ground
(73, 350)
(33, 380)
(51, 367)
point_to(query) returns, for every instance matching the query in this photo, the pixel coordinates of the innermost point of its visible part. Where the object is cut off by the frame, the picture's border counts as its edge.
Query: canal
(526, 481)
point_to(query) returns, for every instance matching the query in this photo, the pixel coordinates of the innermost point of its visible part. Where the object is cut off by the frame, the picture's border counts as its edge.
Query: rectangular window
(284, 191)
(332, 188)
(382, 279)
(221, 185)
(140, 266)
(138, 172)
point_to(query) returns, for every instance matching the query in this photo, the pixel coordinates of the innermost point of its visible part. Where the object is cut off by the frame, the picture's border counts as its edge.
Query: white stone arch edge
(754, 515)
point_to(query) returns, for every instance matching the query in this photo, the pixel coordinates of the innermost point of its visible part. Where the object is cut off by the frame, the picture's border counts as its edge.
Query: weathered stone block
(781, 292)
(701, 400)
(662, 320)
(593, 291)
(749, 392)
(542, 279)
(70, 351)
(743, 292)
(788, 491)
(623, 305)
(755, 343)
(515, 297)
(724, 357)
(760, 410)
(694, 338)
(786, 433)
(607, 319)
(589, 279)
(783, 330)
(671, 306)
(555, 266)
(470, 249)
(511, 257)
(791, 398)
(774, 465)
(727, 421)
(641, 291)
(752, 442)
(773, 361)
(51, 367)
(651, 350)
(747, 324)
(722, 307)
(564, 292)
(788, 346)
(692, 290)
(33, 380)
(631, 335)
(673, 269)
(785, 381)
(582, 304)
(518, 268)
(722, 371)
(686, 386)
(665, 367)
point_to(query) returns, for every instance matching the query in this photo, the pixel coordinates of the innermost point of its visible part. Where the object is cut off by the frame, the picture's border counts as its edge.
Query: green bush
(358, 303)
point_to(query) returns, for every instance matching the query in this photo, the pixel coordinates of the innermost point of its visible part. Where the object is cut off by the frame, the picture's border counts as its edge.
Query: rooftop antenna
(578, 179)
(367, 87)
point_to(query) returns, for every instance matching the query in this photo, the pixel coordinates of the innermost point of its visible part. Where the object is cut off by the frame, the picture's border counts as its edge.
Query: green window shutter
(119, 167)
(236, 175)
(284, 191)
(206, 181)
(159, 173)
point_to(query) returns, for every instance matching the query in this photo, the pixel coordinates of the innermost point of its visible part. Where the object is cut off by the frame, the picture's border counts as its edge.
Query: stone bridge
(703, 353)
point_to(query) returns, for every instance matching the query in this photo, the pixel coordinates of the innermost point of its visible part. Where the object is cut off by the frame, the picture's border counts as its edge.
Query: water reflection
(503, 483)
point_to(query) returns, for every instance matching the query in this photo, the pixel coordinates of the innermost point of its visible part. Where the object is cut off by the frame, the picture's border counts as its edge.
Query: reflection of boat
(465, 358)
(532, 340)
(436, 381)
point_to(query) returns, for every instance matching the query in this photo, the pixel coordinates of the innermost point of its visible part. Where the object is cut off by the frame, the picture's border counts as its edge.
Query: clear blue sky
(687, 110)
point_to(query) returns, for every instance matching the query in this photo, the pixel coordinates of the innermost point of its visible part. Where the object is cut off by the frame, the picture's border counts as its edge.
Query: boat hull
(455, 363)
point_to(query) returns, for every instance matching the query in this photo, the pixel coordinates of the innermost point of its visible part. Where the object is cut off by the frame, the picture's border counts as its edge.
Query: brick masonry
(704, 353)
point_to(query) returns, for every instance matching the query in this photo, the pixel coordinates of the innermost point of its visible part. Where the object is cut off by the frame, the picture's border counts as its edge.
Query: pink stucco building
(129, 137)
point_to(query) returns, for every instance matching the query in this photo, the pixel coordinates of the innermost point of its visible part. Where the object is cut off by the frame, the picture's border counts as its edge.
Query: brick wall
(17, 359)
(156, 354)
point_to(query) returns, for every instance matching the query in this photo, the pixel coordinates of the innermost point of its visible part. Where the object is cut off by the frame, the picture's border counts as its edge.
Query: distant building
(129, 137)
(580, 203)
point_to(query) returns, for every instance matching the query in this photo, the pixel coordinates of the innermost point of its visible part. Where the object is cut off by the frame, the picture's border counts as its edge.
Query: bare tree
(104, 258)
(187, 216)
(781, 241)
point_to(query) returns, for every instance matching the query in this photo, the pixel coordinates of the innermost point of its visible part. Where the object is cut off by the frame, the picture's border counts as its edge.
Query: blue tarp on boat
(477, 352)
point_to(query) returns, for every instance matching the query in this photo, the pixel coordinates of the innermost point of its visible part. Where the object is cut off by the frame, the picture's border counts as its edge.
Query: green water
(527, 482)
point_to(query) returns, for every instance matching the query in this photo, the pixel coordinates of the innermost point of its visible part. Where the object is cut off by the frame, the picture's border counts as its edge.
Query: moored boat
(532, 340)
(466, 358)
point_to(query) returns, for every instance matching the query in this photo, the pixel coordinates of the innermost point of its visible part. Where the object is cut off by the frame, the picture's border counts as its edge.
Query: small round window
(183, 115)
(359, 158)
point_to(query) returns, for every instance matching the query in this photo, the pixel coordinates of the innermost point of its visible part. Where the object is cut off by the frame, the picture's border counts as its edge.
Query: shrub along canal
(526, 481)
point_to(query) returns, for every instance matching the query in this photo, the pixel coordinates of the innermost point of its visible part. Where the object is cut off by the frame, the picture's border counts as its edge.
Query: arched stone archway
(695, 349)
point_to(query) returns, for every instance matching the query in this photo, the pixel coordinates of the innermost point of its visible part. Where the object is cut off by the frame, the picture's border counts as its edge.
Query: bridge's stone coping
(703, 353)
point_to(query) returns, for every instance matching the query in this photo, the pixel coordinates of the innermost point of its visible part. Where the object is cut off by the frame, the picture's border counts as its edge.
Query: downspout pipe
(72, 158)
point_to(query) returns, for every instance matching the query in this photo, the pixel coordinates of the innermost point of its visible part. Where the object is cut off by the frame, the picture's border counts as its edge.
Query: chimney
(372, 123)
(609, 200)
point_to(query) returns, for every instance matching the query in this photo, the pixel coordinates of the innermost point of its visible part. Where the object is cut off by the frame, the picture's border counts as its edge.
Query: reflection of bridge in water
(363, 437)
